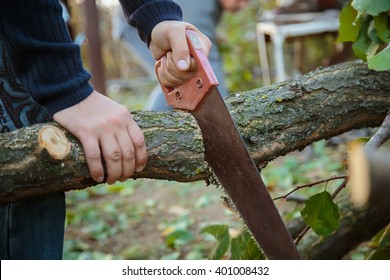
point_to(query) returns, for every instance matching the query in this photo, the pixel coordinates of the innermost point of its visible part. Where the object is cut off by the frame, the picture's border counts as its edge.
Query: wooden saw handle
(189, 95)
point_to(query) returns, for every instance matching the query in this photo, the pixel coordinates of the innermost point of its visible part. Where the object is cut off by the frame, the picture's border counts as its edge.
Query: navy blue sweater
(44, 56)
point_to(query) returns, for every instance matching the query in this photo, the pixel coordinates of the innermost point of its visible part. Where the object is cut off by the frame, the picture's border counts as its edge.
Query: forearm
(146, 14)
(43, 55)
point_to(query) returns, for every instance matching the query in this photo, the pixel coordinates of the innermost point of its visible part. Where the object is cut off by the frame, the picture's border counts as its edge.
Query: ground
(137, 219)
(154, 219)
(134, 219)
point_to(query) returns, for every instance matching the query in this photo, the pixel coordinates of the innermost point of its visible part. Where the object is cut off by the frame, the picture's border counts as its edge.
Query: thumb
(180, 53)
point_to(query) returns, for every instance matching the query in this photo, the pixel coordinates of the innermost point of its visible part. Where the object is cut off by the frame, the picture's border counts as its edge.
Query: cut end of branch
(54, 141)
(359, 175)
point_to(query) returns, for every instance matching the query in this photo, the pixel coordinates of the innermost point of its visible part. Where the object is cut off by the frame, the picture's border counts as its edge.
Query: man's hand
(169, 43)
(108, 133)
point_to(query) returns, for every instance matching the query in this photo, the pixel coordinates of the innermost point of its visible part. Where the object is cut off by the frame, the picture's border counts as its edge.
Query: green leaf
(245, 248)
(380, 61)
(178, 237)
(372, 7)
(381, 23)
(321, 214)
(221, 233)
(349, 27)
(371, 51)
(382, 251)
(372, 33)
(363, 42)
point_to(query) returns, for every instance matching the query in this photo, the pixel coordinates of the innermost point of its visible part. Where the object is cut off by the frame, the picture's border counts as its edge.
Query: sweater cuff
(149, 15)
(64, 101)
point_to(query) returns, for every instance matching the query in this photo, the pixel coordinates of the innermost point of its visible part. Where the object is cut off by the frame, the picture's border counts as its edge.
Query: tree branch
(273, 121)
(381, 136)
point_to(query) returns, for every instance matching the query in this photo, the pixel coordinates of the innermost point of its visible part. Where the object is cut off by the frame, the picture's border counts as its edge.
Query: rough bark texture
(273, 121)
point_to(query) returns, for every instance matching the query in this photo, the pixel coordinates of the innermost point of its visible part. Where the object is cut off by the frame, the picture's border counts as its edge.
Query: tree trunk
(273, 121)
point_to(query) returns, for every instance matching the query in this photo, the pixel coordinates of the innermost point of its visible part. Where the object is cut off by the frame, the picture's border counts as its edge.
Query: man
(42, 78)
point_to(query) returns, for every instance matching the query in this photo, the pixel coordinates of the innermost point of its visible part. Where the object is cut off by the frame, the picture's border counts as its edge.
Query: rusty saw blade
(228, 157)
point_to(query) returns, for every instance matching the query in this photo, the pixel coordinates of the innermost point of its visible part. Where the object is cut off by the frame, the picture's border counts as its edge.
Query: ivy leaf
(221, 233)
(321, 214)
(372, 7)
(245, 248)
(349, 27)
(380, 61)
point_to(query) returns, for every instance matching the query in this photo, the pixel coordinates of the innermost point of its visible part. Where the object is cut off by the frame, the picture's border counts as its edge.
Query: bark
(273, 122)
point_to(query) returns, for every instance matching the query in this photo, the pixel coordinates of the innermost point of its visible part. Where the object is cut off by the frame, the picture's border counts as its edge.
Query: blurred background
(154, 219)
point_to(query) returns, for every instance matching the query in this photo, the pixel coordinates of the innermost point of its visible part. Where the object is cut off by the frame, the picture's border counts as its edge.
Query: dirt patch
(136, 225)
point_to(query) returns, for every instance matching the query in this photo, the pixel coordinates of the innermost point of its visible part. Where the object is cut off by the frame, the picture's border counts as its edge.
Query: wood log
(273, 121)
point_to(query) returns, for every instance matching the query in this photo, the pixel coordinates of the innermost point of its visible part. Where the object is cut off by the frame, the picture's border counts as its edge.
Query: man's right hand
(108, 133)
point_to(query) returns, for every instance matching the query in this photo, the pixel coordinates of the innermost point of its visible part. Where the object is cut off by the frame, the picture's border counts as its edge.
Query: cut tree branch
(273, 121)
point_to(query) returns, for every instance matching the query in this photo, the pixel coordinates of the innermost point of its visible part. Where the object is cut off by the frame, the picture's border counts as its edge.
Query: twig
(342, 186)
(381, 136)
(301, 235)
(310, 185)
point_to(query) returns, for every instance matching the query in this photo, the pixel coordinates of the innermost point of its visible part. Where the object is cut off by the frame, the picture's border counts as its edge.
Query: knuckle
(128, 154)
(93, 155)
(118, 118)
(115, 155)
(114, 121)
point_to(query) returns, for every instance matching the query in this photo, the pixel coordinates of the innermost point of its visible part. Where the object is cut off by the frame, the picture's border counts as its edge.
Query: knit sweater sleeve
(145, 14)
(42, 53)
(45, 58)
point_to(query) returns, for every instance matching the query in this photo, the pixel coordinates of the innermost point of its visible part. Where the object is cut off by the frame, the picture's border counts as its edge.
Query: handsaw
(228, 157)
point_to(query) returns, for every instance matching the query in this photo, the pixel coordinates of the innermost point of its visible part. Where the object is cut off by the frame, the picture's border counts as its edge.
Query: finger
(204, 40)
(172, 68)
(128, 155)
(180, 52)
(93, 157)
(138, 139)
(170, 76)
(112, 155)
(168, 80)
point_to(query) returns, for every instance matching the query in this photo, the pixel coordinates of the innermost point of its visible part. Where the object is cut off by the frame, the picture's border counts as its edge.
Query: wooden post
(94, 45)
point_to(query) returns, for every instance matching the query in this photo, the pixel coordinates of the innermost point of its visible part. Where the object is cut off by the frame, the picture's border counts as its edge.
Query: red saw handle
(189, 95)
